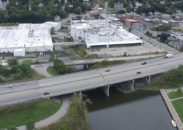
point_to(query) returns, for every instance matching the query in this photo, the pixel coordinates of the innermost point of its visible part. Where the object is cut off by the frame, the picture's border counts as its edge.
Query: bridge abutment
(86, 67)
(106, 90)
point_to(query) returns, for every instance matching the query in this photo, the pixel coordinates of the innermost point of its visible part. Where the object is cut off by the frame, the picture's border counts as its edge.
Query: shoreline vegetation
(168, 80)
(76, 117)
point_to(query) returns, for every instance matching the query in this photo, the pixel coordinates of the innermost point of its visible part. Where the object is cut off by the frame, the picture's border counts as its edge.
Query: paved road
(42, 69)
(92, 61)
(157, 43)
(69, 83)
(176, 99)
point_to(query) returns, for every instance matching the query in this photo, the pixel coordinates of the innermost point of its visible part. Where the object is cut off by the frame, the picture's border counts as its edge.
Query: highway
(81, 81)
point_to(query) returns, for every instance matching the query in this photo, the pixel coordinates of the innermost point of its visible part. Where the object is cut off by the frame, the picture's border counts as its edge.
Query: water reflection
(142, 110)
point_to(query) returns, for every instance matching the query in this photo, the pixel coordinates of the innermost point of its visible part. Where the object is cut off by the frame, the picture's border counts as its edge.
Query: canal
(140, 110)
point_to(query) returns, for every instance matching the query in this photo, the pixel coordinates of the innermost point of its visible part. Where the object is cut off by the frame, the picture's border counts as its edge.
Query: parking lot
(146, 48)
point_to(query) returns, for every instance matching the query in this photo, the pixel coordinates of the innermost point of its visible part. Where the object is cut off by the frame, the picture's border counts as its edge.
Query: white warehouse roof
(32, 37)
(102, 32)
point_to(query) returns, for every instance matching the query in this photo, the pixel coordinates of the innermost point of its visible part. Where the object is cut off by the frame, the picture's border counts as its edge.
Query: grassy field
(80, 50)
(31, 62)
(51, 70)
(173, 95)
(27, 62)
(20, 114)
(178, 105)
(106, 64)
(150, 87)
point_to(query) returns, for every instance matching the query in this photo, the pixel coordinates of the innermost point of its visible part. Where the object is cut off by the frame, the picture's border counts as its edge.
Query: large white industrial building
(106, 32)
(27, 38)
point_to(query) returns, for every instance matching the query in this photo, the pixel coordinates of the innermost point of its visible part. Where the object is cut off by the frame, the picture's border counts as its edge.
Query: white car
(169, 56)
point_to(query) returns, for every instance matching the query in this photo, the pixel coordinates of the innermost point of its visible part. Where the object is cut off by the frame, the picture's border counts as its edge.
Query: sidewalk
(52, 119)
(176, 99)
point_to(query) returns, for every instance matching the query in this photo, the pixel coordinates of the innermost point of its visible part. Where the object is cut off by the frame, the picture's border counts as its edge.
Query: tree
(16, 69)
(179, 92)
(60, 68)
(30, 125)
(26, 70)
(52, 31)
(163, 37)
(78, 10)
(97, 16)
(164, 27)
(13, 62)
(11, 128)
(79, 112)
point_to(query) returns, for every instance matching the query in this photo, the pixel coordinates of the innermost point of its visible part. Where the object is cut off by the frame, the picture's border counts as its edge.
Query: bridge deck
(69, 83)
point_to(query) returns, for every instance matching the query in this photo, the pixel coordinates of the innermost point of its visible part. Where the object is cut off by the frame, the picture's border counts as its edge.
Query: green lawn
(51, 71)
(80, 50)
(178, 105)
(151, 87)
(27, 62)
(20, 114)
(106, 64)
(172, 95)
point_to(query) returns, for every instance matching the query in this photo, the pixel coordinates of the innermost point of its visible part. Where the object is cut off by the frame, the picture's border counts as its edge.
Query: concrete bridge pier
(132, 82)
(86, 67)
(80, 94)
(148, 79)
(106, 90)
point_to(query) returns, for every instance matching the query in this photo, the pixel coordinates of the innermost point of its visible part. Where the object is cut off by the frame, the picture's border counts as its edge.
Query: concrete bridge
(86, 80)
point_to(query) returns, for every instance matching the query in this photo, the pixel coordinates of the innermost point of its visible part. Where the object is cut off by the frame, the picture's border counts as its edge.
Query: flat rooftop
(26, 35)
(103, 32)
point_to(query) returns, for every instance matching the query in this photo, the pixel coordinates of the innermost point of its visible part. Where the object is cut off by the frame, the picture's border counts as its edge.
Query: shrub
(11, 128)
(179, 92)
(13, 62)
(30, 125)
(60, 68)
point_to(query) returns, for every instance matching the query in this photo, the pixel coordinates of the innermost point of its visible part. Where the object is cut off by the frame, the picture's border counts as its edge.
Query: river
(140, 110)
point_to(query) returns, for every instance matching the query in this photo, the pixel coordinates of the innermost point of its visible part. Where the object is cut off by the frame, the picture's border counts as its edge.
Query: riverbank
(76, 117)
(171, 109)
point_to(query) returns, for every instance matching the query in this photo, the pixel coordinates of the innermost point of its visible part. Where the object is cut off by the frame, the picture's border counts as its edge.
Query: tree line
(169, 7)
(15, 71)
(37, 11)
